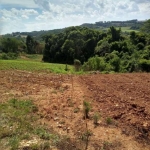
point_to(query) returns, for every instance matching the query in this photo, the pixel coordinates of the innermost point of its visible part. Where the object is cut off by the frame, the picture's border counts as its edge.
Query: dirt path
(124, 98)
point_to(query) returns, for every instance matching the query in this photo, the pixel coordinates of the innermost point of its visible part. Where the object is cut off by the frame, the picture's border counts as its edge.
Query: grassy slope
(124, 29)
(33, 63)
(19, 126)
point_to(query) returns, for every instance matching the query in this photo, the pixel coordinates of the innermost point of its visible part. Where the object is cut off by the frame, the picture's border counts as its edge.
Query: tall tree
(10, 45)
(30, 45)
(146, 27)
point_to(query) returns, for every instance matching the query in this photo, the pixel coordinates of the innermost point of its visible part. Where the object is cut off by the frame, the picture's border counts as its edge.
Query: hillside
(131, 24)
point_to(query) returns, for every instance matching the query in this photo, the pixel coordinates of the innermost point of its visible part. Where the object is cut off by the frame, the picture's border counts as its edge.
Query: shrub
(109, 120)
(144, 65)
(96, 118)
(8, 56)
(95, 63)
(87, 108)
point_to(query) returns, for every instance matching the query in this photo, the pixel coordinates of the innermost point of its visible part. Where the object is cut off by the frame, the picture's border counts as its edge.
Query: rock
(56, 118)
(59, 126)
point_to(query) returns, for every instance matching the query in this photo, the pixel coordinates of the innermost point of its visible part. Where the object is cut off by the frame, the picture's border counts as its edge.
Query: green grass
(127, 29)
(29, 65)
(19, 122)
(124, 29)
(33, 57)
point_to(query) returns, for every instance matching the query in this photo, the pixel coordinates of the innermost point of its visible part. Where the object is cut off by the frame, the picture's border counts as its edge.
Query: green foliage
(95, 63)
(115, 34)
(146, 27)
(75, 43)
(103, 48)
(10, 45)
(144, 65)
(118, 52)
(8, 56)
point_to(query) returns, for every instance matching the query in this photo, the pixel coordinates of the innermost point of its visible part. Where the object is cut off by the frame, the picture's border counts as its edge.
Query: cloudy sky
(35, 15)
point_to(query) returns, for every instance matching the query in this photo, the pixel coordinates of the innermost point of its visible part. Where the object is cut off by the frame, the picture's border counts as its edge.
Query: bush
(94, 64)
(140, 46)
(8, 56)
(144, 65)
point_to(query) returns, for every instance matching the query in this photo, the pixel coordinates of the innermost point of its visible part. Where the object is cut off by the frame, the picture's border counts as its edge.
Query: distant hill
(133, 24)
(101, 25)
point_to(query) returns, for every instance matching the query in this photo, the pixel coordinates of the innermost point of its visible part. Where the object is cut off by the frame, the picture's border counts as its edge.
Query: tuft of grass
(109, 120)
(86, 109)
(96, 118)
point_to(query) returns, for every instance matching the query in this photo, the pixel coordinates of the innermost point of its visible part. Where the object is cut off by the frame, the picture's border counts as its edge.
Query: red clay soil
(123, 99)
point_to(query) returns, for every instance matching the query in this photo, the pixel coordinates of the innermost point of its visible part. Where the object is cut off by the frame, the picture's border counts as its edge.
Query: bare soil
(124, 99)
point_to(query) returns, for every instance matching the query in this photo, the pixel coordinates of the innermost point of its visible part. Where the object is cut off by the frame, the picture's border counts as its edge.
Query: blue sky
(35, 15)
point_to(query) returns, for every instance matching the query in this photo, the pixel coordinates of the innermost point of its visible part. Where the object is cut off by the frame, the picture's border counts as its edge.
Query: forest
(105, 51)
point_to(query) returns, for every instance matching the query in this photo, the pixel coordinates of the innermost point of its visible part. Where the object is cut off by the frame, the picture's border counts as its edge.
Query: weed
(96, 118)
(54, 92)
(109, 120)
(76, 110)
(107, 145)
(86, 109)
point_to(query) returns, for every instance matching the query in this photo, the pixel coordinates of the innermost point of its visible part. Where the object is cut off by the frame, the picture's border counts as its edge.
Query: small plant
(109, 120)
(86, 109)
(77, 65)
(86, 137)
(76, 110)
(96, 118)
(107, 145)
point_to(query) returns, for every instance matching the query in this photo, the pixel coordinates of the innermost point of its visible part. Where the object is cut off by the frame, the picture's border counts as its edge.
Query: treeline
(97, 50)
(11, 47)
(74, 43)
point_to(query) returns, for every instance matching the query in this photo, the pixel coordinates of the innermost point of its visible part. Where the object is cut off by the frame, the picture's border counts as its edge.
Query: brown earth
(124, 99)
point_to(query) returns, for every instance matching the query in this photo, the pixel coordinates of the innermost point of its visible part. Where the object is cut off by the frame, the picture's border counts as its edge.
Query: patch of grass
(44, 134)
(19, 121)
(28, 65)
(14, 142)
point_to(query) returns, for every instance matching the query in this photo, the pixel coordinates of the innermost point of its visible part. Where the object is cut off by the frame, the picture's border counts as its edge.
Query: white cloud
(21, 3)
(17, 13)
(50, 14)
(24, 16)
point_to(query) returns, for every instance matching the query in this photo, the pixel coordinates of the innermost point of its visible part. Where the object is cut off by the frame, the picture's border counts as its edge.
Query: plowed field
(121, 100)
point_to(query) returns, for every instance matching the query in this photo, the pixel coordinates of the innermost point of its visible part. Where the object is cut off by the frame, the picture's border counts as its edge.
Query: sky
(36, 15)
